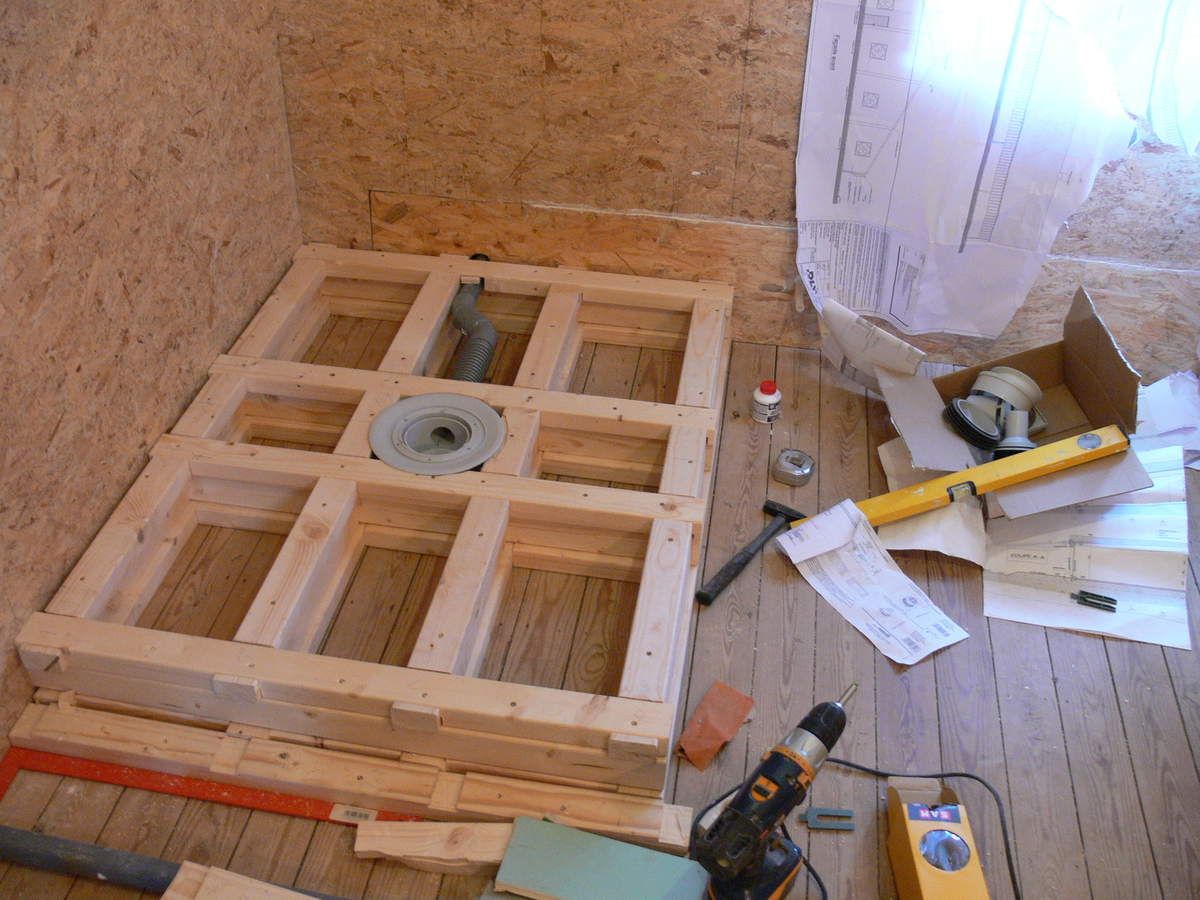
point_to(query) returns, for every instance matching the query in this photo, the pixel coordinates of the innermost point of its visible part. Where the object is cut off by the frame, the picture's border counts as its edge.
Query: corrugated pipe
(476, 356)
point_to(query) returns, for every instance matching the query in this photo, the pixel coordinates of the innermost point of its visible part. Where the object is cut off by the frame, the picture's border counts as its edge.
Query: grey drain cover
(437, 434)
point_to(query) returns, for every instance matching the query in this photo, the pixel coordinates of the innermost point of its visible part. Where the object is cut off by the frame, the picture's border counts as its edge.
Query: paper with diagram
(942, 144)
(1132, 547)
(839, 555)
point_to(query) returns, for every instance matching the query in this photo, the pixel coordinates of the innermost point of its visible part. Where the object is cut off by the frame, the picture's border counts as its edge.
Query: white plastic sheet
(943, 143)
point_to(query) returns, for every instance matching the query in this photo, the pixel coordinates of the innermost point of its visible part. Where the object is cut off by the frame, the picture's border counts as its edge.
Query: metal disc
(437, 434)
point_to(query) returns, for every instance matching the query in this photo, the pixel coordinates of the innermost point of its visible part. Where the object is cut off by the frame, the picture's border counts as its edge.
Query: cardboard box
(1086, 383)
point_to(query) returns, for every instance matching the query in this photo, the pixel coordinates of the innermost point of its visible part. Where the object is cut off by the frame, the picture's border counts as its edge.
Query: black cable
(804, 859)
(1008, 854)
(816, 878)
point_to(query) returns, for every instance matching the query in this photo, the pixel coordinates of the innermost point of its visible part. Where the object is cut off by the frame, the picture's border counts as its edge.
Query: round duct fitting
(437, 434)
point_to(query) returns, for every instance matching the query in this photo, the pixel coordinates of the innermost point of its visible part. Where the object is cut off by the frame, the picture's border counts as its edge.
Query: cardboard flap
(928, 791)
(1095, 369)
(916, 410)
(1118, 474)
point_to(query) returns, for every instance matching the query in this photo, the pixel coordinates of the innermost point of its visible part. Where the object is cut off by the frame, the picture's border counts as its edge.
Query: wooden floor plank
(504, 625)
(1169, 789)
(272, 847)
(1043, 816)
(848, 861)
(785, 649)
(723, 647)
(391, 879)
(601, 635)
(141, 822)
(657, 377)
(462, 887)
(376, 347)
(22, 805)
(1184, 668)
(969, 711)
(226, 572)
(77, 810)
(237, 602)
(330, 865)
(583, 365)
(183, 564)
(613, 371)
(407, 626)
(347, 339)
(318, 341)
(1115, 842)
(507, 360)
(539, 651)
(906, 725)
(377, 592)
(206, 833)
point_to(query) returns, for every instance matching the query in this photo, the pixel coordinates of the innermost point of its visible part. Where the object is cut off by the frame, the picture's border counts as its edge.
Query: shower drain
(437, 434)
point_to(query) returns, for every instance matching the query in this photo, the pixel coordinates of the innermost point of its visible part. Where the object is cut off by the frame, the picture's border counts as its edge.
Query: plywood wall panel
(1144, 208)
(627, 105)
(776, 54)
(148, 207)
(1153, 313)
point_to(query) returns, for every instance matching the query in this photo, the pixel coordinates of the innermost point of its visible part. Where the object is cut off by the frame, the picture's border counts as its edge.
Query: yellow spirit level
(991, 476)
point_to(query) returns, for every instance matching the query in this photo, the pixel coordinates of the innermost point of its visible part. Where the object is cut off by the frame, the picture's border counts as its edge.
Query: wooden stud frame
(331, 505)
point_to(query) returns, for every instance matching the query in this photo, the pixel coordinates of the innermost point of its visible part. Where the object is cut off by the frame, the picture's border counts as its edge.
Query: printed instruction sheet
(942, 144)
(839, 555)
(1132, 547)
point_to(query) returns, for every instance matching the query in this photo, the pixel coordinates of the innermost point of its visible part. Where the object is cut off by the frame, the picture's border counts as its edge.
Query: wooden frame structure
(268, 686)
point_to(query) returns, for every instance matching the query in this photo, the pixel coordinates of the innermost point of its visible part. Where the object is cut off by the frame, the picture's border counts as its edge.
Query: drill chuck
(825, 722)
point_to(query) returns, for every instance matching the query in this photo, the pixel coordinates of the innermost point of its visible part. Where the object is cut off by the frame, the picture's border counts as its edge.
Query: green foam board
(545, 860)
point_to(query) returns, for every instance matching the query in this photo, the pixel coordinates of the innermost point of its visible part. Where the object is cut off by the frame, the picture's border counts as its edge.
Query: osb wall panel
(1144, 209)
(147, 208)
(1153, 313)
(687, 106)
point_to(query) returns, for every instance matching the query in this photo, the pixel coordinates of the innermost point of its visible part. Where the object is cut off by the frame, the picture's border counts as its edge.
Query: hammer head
(772, 508)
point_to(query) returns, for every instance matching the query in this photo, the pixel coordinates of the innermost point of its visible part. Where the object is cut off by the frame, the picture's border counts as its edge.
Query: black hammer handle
(713, 587)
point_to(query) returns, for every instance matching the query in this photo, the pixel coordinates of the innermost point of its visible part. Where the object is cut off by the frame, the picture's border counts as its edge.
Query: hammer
(782, 516)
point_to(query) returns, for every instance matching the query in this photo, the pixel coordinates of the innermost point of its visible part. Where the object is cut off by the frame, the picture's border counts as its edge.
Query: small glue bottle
(766, 403)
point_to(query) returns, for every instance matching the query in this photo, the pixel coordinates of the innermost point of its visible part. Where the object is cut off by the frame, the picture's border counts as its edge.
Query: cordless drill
(745, 851)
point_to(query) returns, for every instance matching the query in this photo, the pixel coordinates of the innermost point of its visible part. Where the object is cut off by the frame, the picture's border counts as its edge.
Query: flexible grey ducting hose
(472, 363)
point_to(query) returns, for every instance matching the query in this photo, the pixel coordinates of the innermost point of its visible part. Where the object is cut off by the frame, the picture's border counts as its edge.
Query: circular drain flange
(437, 434)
